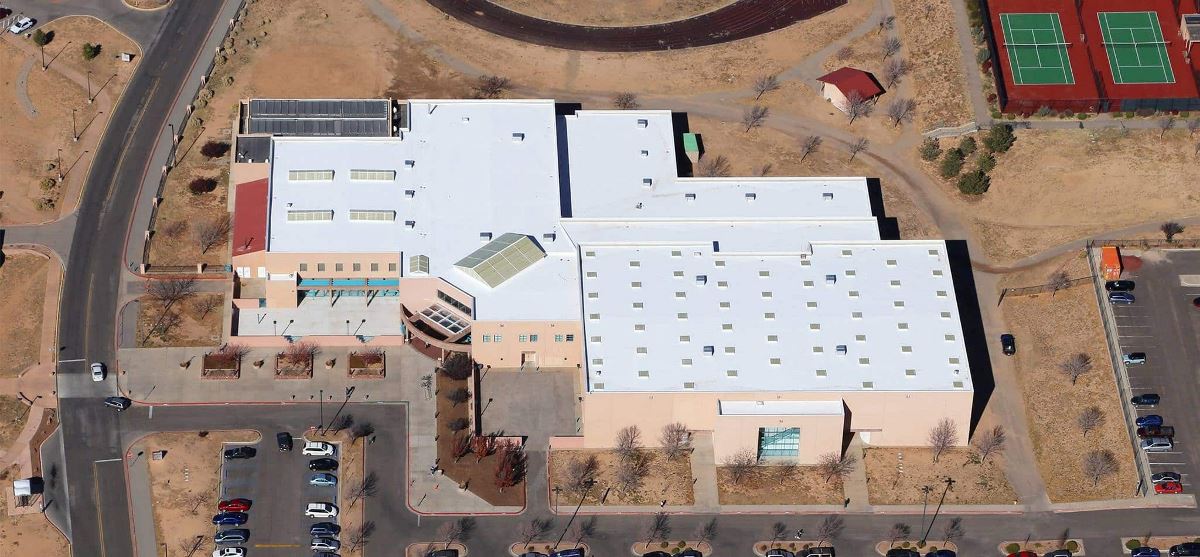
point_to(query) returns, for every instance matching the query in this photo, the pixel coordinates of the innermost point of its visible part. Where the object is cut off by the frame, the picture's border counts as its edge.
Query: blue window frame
(778, 442)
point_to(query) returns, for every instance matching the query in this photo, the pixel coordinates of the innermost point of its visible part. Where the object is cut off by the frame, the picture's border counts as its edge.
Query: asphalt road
(87, 327)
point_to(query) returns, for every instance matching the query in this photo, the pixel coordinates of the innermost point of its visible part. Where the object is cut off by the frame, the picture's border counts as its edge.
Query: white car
(321, 510)
(317, 448)
(325, 544)
(21, 25)
(230, 552)
(97, 371)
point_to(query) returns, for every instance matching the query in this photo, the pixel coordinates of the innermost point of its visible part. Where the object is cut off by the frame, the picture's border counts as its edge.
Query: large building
(767, 311)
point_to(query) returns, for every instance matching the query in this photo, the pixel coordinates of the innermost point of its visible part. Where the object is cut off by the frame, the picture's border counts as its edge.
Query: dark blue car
(1148, 400)
(230, 519)
(1152, 420)
(1146, 551)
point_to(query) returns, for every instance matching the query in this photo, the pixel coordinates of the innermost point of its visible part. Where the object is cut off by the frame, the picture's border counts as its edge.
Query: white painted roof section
(782, 408)
(623, 165)
(663, 318)
(773, 237)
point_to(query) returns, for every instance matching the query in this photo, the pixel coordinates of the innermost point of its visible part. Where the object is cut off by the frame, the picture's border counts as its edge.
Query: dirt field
(28, 534)
(974, 484)
(1080, 188)
(1049, 329)
(12, 418)
(670, 480)
(27, 155)
(764, 487)
(186, 505)
(612, 12)
(195, 328)
(23, 282)
(930, 42)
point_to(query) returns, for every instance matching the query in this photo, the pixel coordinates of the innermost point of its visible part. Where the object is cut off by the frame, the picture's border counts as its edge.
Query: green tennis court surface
(1036, 49)
(1136, 50)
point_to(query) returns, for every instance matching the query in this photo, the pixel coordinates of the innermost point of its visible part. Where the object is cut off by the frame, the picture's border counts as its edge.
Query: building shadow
(889, 227)
(564, 155)
(680, 126)
(974, 335)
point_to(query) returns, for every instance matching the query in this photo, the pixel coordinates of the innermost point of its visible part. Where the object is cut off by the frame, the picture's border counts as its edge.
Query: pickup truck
(1156, 431)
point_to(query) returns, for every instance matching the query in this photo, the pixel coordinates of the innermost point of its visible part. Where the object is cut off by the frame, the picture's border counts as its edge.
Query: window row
(527, 338)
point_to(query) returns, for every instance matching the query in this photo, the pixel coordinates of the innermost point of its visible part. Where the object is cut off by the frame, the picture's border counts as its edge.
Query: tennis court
(1136, 50)
(1036, 49)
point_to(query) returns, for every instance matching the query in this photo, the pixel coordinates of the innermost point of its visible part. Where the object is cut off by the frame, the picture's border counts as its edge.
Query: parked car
(817, 552)
(1166, 477)
(323, 480)
(902, 552)
(443, 553)
(324, 529)
(1168, 487)
(21, 25)
(240, 452)
(780, 553)
(941, 553)
(325, 554)
(1189, 549)
(1120, 298)
(656, 554)
(1149, 420)
(572, 552)
(1157, 444)
(118, 402)
(1148, 400)
(317, 448)
(1146, 551)
(1134, 358)
(97, 371)
(323, 465)
(1119, 286)
(320, 510)
(230, 519)
(1023, 554)
(229, 552)
(319, 544)
(284, 440)
(233, 535)
(1196, 303)
(690, 553)
(1155, 431)
(1009, 344)
(235, 505)
(533, 554)
(1058, 553)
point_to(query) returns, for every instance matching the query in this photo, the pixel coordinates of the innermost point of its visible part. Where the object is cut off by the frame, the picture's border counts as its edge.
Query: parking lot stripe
(277, 545)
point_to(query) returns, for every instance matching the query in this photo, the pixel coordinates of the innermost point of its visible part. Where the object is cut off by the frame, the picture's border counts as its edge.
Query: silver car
(1157, 444)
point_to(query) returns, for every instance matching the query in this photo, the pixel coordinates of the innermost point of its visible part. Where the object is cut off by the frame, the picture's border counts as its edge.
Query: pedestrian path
(23, 89)
(854, 486)
(704, 472)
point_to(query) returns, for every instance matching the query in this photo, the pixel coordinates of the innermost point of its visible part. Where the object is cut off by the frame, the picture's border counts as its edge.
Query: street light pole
(42, 48)
(590, 483)
(89, 86)
(321, 403)
(58, 164)
(949, 482)
(349, 391)
(74, 132)
(926, 489)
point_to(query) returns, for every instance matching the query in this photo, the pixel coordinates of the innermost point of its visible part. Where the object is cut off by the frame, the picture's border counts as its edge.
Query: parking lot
(277, 484)
(1164, 324)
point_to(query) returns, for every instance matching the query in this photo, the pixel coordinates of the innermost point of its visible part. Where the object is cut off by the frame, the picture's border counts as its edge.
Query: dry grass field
(12, 419)
(931, 44)
(890, 484)
(614, 13)
(28, 534)
(194, 322)
(23, 284)
(665, 479)
(766, 486)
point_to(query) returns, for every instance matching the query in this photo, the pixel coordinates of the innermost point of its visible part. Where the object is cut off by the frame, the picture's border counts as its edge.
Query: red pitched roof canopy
(250, 217)
(850, 79)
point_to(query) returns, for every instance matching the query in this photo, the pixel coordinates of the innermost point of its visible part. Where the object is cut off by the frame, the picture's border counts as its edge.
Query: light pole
(42, 48)
(321, 397)
(58, 164)
(582, 498)
(926, 489)
(172, 150)
(89, 86)
(74, 131)
(349, 391)
(949, 482)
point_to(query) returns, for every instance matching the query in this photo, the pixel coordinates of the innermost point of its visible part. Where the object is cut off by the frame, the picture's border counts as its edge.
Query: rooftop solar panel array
(350, 118)
(299, 108)
(501, 259)
(315, 127)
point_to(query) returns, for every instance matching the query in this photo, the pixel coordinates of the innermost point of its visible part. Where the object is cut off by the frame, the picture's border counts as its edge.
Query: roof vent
(485, 237)
(689, 196)
(518, 137)
(550, 236)
(709, 350)
(841, 349)
(830, 279)
(410, 163)
(827, 196)
(410, 224)
(701, 280)
(642, 122)
(751, 196)
(647, 182)
(410, 193)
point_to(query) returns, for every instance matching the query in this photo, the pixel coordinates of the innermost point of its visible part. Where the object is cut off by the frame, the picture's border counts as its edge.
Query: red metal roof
(850, 79)
(250, 217)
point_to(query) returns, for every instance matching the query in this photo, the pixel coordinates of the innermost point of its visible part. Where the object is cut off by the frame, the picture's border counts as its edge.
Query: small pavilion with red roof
(839, 85)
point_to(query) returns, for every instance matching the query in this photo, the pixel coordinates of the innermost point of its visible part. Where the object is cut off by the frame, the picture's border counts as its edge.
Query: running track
(739, 20)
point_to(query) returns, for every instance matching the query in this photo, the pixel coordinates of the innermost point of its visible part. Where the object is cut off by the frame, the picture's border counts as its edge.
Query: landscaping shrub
(952, 163)
(1130, 545)
(214, 149)
(982, 55)
(999, 139)
(996, 114)
(1012, 548)
(1184, 113)
(1082, 116)
(458, 366)
(967, 145)
(1044, 111)
(974, 183)
(664, 545)
(930, 150)
(991, 97)
(42, 38)
(987, 162)
(1072, 546)
(90, 51)
(202, 185)
(48, 184)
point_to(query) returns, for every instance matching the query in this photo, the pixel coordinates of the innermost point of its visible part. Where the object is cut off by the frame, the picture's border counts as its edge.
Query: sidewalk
(137, 473)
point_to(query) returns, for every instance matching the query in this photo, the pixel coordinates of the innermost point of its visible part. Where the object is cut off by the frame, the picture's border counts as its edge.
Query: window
(731, 373)
(593, 295)
(591, 274)
(309, 216)
(868, 385)
(891, 262)
(772, 338)
(570, 338)
(303, 267)
(941, 293)
(730, 349)
(898, 304)
(724, 305)
(320, 267)
(847, 253)
(680, 295)
(558, 338)
(454, 303)
(643, 374)
(852, 293)
(598, 386)
(768, 316)
(933, 252)
(372, 175)
(719, 263)
(374, 267)
(689, 385)
(860, 338)
(372, 215)
(597, 361)
(685, 362)
(681, 316)
(357, 267)
(906, 349)
(589, 254)
(764, 274)
(776, 361)
(685, 339)
(533, 338)
(864, 361)
(595, 339)
(594, 316)
(487, 338)
(902, 326)
(822, 373)
(522, 338)
(726, 326)
(635, 263)
(337, 267)
(310, 175)
(497, 338)
(638, 305)
(392, 266)
(937, 272)
(818, 350)
(639, 326)
(949, 338)
(635, 284)
(814, 326)
(722, 284)
(676, 253)
(894, 283)
(856, 315)
(677, 274)
(778, 442)
(910, 373)
(766, 295)
(945, 315)
(811, 305)
(642, 350)
(808, 284)
(851, 273)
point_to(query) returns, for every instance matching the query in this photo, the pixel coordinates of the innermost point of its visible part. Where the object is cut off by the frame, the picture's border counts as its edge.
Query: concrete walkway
(854, 487)
(704, 473)
(22, 86)
(138, 472)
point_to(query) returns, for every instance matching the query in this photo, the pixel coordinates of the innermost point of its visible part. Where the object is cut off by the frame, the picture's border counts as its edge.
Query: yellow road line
(99, 516)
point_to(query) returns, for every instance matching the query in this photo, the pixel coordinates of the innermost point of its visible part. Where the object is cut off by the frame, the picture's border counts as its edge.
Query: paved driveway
(536, 404)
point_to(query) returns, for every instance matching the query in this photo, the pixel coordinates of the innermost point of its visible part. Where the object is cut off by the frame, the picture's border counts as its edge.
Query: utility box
(691, 147)
(1110, 262)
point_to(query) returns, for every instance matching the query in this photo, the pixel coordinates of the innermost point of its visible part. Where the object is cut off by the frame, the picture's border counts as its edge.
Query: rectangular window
(337, 267)
(533, 338)
(487, 338)
(372, 175)
(772, 338)
(496, 338)
(372, 215)
(454, 303)
(570, 338)
(591, 274)
(303, 267)
(638, 305)
(778, 442)
(310, 175)
(320, 267)
(558, 338)
(374, 267)
(522, 338)
(309, 216)
(357, 267)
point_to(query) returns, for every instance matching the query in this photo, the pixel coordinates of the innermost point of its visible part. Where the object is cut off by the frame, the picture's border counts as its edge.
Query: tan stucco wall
(835, 96)
(818, 434)
(278, 262)
(545, 352)
(890, 418)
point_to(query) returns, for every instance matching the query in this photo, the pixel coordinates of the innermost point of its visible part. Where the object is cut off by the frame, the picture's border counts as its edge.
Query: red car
(234, 505)
(1168, 487)
(1023, 554)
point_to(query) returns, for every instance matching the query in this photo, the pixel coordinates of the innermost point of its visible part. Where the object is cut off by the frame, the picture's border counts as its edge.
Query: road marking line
(107, 460)
(70, 361)
(277, 545)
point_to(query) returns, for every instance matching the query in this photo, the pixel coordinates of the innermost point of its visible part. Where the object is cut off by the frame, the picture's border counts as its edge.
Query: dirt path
(23, 90)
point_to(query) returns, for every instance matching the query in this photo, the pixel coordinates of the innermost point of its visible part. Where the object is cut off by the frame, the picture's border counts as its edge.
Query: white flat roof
(782, 408)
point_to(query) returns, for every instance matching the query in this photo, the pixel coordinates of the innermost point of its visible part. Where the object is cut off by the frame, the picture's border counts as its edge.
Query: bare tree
(460, 446)
(1098, 464)
(170, 291)
(764, 169)
(857, 106)
(845, 53)
(707, 532)
(583, 529)
(889, 47)
(629, 442)
(1058, 281)
(899, 531)
(901, 110)
(785, 471)
(581, 472)
(361, 430)
(740, 465)
(830, 528)
(190, 545)
(458, 396)
(895, 69)
(942, 436)
(1165, 124)
(887, 23)
(809, 146)
(631, 473)
(990, 441)
(366, 487)
(834, 465)
(343, 421)
(954, 530)
(491, 86)
(535, 529)
(205, 304)
(1076, 365)
(676, 440)
(456, 531)
(659, 528)
(1090, 418)
(714, 166)
(778, 531)
(754, 116)
(1192, 126)
(1170, 230)
(859, 145)
(765, 84)
(212, 233)
(166, 323)
(362, 535)
(510, 465)
(626, 101)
